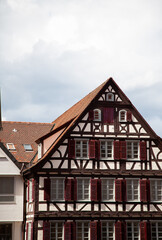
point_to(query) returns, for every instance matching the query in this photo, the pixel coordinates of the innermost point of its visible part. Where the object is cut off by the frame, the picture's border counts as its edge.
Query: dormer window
(11, 147)
(110, 97)
(122, 116)
(28, 147)
(97, 114)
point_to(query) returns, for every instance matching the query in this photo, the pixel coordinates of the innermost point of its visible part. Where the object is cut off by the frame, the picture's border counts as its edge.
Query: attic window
(110, 97)
(28, 147)
(11, 146)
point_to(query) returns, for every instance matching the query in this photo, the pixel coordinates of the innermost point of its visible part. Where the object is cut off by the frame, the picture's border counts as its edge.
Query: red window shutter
(94, 189)
(148, 190)
(143, 151)
(75, 189)
(143, 231)
(47, 189)
(108, 115)
(71, 150)
(123, 154)
(67, 231)
(124, 187)
(93, 230)
(116, 150)
(99, 230)
(46, 230)
(124, 230)
(32, 231)
(28, 182)
(68, 189)
(118, 230)
(91, 115)
(27, 226)
(143, 190)
(73, 227)
(97, 149)
(92, 149)
(33, 189)
(99, 189)
(118, 190)
(129, 116)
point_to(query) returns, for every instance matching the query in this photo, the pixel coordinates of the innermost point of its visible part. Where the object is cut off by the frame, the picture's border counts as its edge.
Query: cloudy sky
(53, 53)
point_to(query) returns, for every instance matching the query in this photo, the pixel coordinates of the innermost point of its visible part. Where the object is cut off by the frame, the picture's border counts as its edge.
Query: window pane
(6, 185)
(57, 189)
(6, 231)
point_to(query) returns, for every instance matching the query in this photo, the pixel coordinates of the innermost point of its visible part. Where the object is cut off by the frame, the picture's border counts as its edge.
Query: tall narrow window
(133, 150)
(106, 149)
(107, 231)
(110, 97)
(81, 148)
(132, 231)
(132, 190)
(83, 191)
(83, 231)
(122, 116)
(156, 230)
(57, 189)
(156, 190)
(56, 231)
(107, 189)
(97, 115)
(6, 189)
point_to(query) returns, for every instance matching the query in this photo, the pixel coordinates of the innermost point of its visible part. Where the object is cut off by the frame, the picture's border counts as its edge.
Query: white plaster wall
(7, 167)
(17, 231)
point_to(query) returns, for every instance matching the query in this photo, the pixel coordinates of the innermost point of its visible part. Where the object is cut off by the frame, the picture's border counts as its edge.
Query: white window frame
(81, 148)
(132, 230)
(133, 150)
(132, 199)
(112, 97)
(156, 225)
(55, 195)
(107, 190)
(30, 189)
(9, 194)
(106, 148)
(99, 114)
(125, 115)
(56, 232)
(28, 147)
(82, 230)
(11, 148)
(107, 230)
(81, 181)
(156, 189)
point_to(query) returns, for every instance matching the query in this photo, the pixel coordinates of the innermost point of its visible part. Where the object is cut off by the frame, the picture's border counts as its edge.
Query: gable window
(56, 231)
(107, 189)
(11, 146)
(5, 231)
(81, 148)
(83, 189)
(6, 189)
(28, 147)
(122, 116)
(156, 230)
(57, 189)
(132, 231)
(110, 97)
(82, 231)
(97, 115)
(132, 190)
(133, 150)
(106, 149)
(156, 190)
(107, 231)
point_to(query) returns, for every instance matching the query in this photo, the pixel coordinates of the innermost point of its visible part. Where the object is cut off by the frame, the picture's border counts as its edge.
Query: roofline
(26, 122)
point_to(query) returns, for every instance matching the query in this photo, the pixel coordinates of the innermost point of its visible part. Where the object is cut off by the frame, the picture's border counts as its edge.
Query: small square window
(28, 147)
(11, 146)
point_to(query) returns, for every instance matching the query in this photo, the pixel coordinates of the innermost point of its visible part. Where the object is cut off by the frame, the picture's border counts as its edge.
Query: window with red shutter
(99, 189)
(143, 190)
(97, 149)
(33, 189)
(118, 190)
(108, 115)
(129, 116)
(94, 189)
(143, 151)
(92, 149)
(68, 189)
(74, 189)
(27, 190)
(71, 150)
(67, 231)
(93, 230)
(27, 226)
(123, 154)
(148, 190)
(118, 230)
(124, 187)
(46, 230)
(47, 189)
(32, 225)
(116, 150)
(143, 231)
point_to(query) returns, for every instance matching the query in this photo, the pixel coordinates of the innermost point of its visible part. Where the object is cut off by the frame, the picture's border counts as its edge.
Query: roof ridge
(26, 122)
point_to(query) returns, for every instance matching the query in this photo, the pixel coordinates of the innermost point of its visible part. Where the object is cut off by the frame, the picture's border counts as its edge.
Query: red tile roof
(20, 133)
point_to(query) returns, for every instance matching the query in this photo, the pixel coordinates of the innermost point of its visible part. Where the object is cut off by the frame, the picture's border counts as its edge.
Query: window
(156, 190)
(83, 190)
(6, 189)
(97, 114)
(132, 231)
(81, 148)
(107, 231)
(30, 189)
(133, 150)
(56, 231)
(122, 116)
(28, 147)
(6, 231)
(82, 230)
(110, 97)
(132, 190)
(107, 189)
(156, 230)
(57, 189)
(11, 146)
(106, 149)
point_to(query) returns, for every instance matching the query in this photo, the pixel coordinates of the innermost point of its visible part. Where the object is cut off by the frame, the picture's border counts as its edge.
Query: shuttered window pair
(125, 116)
(106, 115)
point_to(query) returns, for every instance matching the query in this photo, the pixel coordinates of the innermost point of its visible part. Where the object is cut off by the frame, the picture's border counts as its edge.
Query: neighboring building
(98, 174)
(17, 149)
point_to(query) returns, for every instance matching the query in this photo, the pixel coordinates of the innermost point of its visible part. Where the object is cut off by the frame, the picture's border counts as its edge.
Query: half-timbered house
(97, 175)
